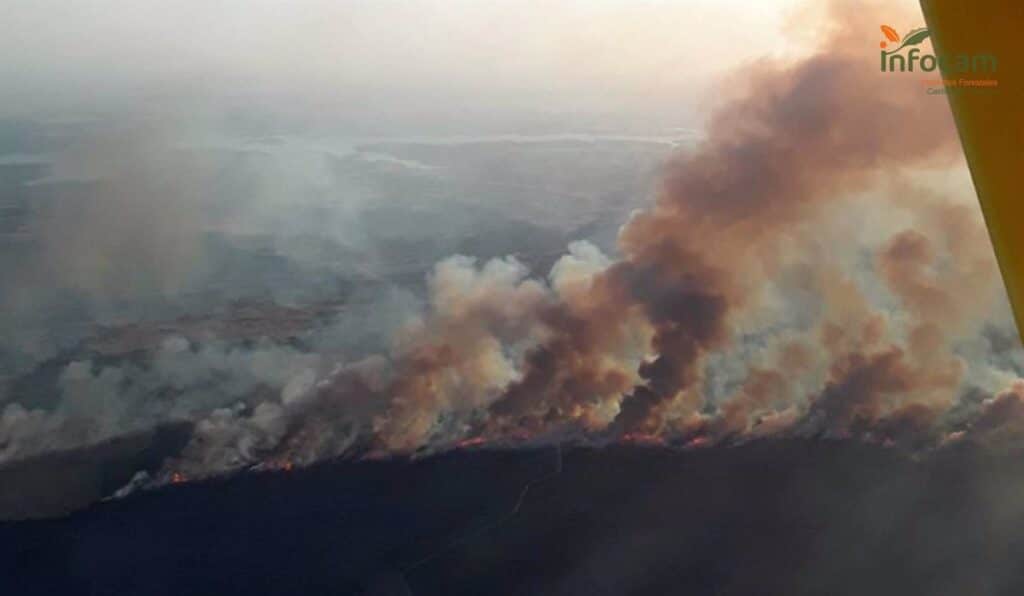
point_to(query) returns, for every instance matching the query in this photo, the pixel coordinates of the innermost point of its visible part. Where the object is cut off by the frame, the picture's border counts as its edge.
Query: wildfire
(178, 478)
(470, 442)
(280, 466)
(697, 442)
(642, 439)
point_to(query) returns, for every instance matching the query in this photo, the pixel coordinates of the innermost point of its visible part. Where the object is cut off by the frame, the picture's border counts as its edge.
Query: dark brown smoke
(803, 136)
(620, 349)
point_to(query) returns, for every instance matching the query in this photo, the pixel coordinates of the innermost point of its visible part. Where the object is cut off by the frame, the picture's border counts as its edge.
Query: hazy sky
(429, 63)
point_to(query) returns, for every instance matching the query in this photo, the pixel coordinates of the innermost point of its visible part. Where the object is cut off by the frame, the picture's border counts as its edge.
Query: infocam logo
(911, 60)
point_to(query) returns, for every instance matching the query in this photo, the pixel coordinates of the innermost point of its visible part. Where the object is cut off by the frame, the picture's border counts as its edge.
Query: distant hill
(60, 482)
(781, 517)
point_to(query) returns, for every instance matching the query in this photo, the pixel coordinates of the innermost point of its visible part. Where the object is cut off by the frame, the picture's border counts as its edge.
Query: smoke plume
(744, 256)
(805, 271)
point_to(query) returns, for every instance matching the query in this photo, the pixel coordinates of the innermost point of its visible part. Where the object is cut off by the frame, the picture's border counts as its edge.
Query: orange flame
(471, 442)
(696, 442)
(642, 439)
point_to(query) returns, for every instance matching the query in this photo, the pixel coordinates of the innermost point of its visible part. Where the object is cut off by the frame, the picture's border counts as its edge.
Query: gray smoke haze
(623, 349)
(379, 67)
(800, 271)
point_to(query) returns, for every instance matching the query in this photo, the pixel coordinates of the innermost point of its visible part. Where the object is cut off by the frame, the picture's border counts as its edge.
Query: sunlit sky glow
(425, 59)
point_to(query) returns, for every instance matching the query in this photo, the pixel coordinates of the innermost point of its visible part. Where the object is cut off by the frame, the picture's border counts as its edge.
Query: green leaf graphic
(913, 38)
